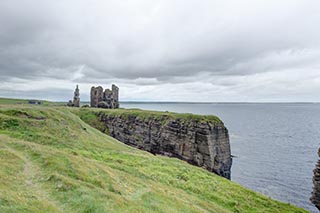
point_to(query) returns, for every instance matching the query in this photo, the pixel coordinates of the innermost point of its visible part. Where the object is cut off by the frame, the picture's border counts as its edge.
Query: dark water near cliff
(275, 144)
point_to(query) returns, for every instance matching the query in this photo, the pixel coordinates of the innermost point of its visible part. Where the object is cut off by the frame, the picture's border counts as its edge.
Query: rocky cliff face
(200, 142)
(315, 197)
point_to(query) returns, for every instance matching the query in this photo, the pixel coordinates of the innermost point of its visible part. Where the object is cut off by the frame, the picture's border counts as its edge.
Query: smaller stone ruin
(108, 99)
(76, 98)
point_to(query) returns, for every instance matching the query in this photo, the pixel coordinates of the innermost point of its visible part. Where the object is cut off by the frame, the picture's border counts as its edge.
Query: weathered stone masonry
(203, 144)
(105, 99)
(76, 98)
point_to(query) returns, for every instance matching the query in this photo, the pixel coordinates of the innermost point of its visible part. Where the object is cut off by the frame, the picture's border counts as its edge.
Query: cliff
(200, 140)
(315, 197)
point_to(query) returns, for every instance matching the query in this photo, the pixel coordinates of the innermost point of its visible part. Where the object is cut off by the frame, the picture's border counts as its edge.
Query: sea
(275, 144)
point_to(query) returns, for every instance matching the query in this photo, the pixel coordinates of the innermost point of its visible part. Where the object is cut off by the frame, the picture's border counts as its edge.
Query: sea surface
(275, 144)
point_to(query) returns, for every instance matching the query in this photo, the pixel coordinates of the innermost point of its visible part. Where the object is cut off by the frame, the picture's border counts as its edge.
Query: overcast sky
(166, 50)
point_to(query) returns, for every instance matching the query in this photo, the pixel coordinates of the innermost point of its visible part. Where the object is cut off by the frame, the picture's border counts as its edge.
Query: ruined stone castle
(105, 99)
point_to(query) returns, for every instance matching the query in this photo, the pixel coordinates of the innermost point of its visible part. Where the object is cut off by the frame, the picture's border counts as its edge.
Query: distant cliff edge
(199, 140)
(315, 197)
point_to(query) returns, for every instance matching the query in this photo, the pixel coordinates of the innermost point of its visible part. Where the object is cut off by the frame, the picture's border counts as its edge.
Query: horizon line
(188, 102)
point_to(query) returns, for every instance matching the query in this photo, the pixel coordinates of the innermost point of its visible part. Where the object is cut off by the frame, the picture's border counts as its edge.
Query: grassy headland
(52, 161)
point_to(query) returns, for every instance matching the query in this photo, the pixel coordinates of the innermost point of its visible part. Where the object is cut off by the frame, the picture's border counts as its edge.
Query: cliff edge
(315, 197)
(200, 140)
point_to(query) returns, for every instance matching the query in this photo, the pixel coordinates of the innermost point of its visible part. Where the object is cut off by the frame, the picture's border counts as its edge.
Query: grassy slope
(51, 161)
(25, 101)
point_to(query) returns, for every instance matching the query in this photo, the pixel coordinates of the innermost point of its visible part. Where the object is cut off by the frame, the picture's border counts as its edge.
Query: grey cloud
(145, 43)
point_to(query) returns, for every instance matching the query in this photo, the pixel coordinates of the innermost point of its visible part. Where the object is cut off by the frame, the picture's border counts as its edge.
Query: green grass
(6, 101)
(89, 115)
(52, 161)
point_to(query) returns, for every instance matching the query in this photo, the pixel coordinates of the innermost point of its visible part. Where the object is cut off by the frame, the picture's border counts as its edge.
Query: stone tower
(115, 92)
(76, 97)
(96, 96)
(108, 98)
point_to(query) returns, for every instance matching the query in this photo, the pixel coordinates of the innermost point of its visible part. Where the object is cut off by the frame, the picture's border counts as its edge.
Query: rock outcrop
(315, 197)
(200, 142)
(105, 99)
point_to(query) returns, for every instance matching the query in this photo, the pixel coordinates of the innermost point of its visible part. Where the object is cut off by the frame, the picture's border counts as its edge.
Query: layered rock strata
(315, 197)
(200, 142)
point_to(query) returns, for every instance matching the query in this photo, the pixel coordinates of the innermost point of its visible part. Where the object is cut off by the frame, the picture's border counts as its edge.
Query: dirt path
(31, 172)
